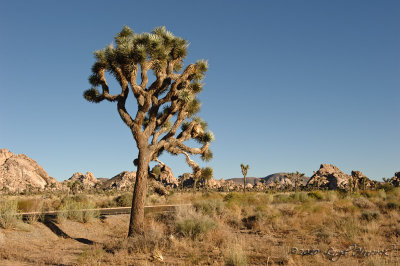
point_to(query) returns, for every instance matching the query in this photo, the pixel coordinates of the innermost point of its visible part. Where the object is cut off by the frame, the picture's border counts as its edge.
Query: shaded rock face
(330, 177)
(166, 176)
(396, 179)
(360, 181)
(282, 180)
(18, 172)
(186, 181)
(122, 181)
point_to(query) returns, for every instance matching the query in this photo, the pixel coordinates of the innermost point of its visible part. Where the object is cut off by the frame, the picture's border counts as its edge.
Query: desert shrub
(393, 205)
(300, 197)
(331, 195)
(91, 256)
(31, 205)
(246, 199)
(382, 194)
(250, 222)
(287, 210)
(8, 211)
(235, 256)
(211, 208)
(190, 223)
(282, 198)
(387, 187)
(80, 211)
(316, 194)
(124, 200)
(345, 206)
(369, 215)
(363, 203)
(368, 194)
(347, 227)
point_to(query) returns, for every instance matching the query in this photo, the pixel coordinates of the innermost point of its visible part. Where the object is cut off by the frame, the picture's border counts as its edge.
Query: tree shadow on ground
(50, 223)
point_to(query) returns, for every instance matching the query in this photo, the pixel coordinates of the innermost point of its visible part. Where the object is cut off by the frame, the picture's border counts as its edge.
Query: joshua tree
(350, 182)
(164, 106)
(364, 182)
(318, 181)
(244, 173)
(297, 177)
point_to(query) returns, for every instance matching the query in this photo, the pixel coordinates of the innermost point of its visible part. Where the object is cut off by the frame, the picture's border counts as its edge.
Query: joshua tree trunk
(194, 185)
(136, 225)
(244, 187)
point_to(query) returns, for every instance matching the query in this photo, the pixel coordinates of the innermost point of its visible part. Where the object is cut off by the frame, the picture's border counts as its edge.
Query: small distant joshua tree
(165, 113)
(245, 168)
(318, 180)
(364, 182)
(297, 178)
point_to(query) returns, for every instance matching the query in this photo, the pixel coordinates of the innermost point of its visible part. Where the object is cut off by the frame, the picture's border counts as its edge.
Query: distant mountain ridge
(281, 178)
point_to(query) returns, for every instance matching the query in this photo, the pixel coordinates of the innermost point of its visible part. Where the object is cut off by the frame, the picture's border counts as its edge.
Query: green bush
(190, 223)
(393, 205)
(8, 213)
(124, 200)
(211, 208)
(369, 216)
(316, 194)
(31, 205)
(300, 197)
(80, 211)
(245, 198)
(282, 198)
(387, 187)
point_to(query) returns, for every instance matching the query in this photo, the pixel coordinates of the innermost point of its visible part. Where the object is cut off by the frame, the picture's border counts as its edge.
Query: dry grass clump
(8, 213)
(239, 229)
(71, 208)
(369, 215)
(235, 256)
(363, 203)
(34, 205)
(192, 224)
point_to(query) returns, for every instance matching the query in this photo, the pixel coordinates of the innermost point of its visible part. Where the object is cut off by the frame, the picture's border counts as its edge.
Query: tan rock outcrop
(330, 177)
(166, 176)
(18, 172)
(87, 180)
(122, 181)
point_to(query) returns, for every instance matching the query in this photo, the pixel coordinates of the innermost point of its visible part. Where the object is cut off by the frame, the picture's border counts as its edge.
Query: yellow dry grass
(220, 229)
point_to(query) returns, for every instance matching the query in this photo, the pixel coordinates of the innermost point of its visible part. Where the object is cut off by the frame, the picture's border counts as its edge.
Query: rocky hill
(18, 172)
(277, 179)
(122, 181)
(283, 179)
(249, 180)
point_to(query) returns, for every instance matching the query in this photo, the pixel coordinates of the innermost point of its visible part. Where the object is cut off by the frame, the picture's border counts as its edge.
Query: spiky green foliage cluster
(207, 173)
(172, 95)
(92, 95)
(207, 156)
(156, 170)
(132, 49)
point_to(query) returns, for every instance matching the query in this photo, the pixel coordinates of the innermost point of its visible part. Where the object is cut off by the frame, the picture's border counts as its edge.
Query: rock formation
(166, 176)
(18, 173)
(330, 177)
(395, 180)
(359, 181)
(87, 181)
(122, 181)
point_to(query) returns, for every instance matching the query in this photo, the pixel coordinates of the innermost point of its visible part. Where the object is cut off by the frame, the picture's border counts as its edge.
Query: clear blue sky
(291, 84)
